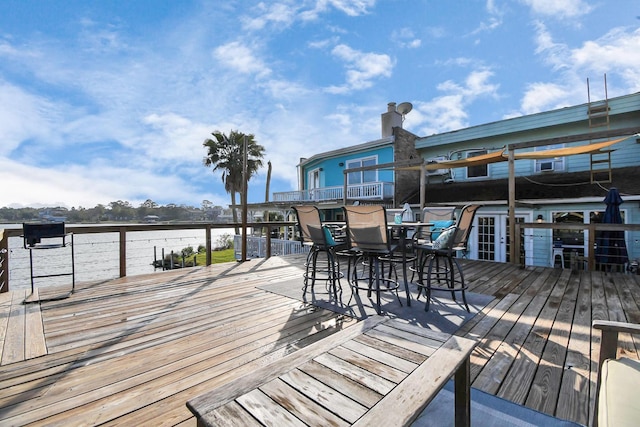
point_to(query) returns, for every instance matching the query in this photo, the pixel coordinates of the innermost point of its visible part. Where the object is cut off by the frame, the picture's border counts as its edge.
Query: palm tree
(225, 153)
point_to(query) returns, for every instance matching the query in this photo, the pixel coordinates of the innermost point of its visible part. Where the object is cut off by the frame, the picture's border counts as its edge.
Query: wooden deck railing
(123, 230)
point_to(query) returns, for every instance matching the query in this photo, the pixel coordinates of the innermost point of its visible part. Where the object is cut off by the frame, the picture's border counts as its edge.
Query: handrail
(123, 229)
(591, 228)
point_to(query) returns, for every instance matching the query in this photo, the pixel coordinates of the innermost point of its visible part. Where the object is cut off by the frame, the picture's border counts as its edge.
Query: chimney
(390, 119)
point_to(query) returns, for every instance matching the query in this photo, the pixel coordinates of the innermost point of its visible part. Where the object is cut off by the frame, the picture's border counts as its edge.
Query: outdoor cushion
(445, 239)
(618, 399)
(438, 226)
(328, 236)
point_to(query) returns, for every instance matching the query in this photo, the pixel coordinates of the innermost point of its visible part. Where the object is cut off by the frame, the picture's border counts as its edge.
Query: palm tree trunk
(234, 213)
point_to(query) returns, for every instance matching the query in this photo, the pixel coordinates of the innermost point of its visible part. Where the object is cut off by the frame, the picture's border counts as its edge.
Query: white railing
(257, 247)
(369, 190)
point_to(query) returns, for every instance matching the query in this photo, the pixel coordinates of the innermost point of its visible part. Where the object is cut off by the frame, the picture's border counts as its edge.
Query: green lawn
(226, 255)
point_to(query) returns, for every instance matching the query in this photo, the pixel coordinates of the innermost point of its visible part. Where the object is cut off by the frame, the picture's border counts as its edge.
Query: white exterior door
(314, 183)
(491, 237)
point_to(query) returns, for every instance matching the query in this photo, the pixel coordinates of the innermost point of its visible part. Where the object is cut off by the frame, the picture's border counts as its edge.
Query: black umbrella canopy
(611, 247)
(612, 213)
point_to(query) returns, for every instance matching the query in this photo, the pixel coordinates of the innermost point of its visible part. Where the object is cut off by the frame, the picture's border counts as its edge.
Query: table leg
(403, 238)
(462, 383)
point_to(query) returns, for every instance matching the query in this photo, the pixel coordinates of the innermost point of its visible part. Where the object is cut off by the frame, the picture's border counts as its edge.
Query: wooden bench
(377, 372)
(618, 379)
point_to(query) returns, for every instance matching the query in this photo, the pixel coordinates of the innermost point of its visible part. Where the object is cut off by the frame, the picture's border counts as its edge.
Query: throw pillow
(438, 226)
(445, 238)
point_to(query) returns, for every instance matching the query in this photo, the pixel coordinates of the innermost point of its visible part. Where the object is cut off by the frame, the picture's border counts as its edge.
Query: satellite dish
(404, 108)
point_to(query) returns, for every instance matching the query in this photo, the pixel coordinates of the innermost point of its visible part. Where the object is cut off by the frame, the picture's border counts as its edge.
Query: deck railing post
(517, 241)
(591, 246)
(208, 243)
(4, 262)
(123, 252)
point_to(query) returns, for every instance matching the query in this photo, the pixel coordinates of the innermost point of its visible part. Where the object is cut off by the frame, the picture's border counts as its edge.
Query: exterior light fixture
(540, 219)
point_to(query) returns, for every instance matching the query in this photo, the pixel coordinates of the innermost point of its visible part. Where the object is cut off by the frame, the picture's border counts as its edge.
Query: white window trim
(555, 164)
(480, 152)
(310, 175)
(361, 160)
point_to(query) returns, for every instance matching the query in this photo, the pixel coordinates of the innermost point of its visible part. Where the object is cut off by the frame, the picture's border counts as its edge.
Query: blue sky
(111, 100)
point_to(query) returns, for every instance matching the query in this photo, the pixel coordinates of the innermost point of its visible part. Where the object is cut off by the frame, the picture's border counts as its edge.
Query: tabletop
(378, 372)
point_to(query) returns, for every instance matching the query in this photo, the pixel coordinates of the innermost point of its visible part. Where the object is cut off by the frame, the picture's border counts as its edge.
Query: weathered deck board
(132, 351)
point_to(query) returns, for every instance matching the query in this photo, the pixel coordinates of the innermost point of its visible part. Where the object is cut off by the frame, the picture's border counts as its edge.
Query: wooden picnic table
(380, 371)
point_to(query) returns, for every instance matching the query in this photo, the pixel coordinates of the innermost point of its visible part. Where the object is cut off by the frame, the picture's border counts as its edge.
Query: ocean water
(97, 256)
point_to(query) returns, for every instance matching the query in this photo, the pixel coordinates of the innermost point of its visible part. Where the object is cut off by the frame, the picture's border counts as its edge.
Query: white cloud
(362, 68)
(448, 112)
(493, 21)
(559, 9)
(616, 54)
(539, 96)
(280, 14)
(324, 43)
(241, 58)
(174, 137)
(405, 38)
(348, 7)
(15, 105)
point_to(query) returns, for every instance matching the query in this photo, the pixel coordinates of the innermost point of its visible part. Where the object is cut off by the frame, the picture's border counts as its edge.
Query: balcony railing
(366, 191)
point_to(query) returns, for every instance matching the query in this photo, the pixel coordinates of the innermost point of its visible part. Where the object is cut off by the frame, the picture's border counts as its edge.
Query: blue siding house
(567, 184)
(566, 187)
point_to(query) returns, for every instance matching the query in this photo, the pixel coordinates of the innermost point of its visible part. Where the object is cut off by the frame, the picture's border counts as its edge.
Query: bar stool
(313, 233)
(558, 251)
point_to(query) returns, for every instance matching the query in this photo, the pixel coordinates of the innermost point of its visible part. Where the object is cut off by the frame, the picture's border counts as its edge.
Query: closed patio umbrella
(407, 213)
(611, 247)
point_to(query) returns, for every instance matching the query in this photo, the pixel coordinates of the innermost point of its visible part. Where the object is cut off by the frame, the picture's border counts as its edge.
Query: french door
(492, 242)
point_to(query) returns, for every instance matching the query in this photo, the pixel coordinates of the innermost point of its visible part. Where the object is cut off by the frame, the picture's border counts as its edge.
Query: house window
(550, 164)
(567, 237)
(479, 171)
(575, 241)
(361, 177)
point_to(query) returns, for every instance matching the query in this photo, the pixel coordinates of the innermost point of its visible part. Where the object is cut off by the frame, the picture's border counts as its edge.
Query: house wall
(553, 192)
(332, 173)
(570, 121)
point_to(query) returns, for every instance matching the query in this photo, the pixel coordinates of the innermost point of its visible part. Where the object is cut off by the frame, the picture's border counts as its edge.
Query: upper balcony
(366, 191)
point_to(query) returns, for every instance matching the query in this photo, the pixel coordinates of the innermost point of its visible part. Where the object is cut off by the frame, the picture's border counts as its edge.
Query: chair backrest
(437, 213)
(367, 227)
(34, 233)
(310, 225)
(463, 226)
(440, 216)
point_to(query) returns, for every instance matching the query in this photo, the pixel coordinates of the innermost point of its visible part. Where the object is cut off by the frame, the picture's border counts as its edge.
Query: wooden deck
(132, 351)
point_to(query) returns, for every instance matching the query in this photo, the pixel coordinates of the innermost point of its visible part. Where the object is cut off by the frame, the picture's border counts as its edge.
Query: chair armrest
(609, 342)
(608, 350)
(608, 325)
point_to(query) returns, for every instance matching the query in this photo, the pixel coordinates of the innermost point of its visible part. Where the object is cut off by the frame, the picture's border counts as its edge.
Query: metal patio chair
(443, 272)
(368, 236)
(320, 239)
